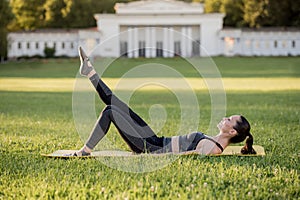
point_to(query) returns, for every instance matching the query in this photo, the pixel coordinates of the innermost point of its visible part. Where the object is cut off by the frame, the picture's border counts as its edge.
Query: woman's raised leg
(133, 129)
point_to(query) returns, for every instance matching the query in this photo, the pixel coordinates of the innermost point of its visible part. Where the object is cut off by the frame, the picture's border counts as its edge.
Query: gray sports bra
(187, 142)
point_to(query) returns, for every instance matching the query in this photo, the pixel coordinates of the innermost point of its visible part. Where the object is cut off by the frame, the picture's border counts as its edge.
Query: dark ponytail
(243, 131)
(247, 148)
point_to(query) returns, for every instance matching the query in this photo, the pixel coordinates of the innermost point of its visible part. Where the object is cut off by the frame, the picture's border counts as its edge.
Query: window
(62, 45)
(177, 48)
(293, 44)
(123, 49)
(45, 44)
(257, 44)
(72, 45)
(229, 45)
(19, 45)
(196, 48)
(36, 45)
(275, 44)
(28, 45)
(229, 41)
(248, 43)
(142, 50)
(283, 44)
(159, 49)
(267, 44)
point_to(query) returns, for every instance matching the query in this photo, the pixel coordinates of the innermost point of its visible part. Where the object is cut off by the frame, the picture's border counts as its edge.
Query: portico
(147, 41)
(163, 28)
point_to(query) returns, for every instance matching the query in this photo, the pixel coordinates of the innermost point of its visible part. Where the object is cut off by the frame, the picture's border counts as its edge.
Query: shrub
(49, 52)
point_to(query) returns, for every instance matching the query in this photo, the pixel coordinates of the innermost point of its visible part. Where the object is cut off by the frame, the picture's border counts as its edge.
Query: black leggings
(133, 129)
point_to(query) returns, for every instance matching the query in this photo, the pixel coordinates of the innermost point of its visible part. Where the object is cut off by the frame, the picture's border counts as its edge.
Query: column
(189, 41)
(166, 43)
(129, 42)
(148, 42)
(171, 42)
(183, 41)
(136, 43)
(153, 42)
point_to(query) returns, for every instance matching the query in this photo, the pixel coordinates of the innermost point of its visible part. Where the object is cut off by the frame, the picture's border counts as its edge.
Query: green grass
(229, 67)
(41, 122)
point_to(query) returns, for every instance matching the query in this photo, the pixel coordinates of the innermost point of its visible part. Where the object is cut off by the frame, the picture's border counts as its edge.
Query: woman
(140, 137)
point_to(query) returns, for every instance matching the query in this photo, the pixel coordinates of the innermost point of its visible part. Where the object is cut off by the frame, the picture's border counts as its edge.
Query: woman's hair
(243, 131)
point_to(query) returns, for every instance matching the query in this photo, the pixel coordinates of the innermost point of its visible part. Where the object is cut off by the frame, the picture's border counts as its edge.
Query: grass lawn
(37, 120)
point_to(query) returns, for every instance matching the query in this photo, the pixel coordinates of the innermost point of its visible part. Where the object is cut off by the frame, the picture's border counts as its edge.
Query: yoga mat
(230, 150)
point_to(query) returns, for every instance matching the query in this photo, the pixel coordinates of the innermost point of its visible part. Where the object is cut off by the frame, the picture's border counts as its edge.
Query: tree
(103, 6)
(81, 14)
(49, 52)
(256, 12)
(29, 14)
(294, 13)
(5, 17)
(234, 10)
(212, 6)
(199, 1)
(56, 12)
(284, 13)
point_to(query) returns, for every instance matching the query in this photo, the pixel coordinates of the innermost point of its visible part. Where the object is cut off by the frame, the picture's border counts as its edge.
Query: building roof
(58, 30)
(264, 29)
(158, 7)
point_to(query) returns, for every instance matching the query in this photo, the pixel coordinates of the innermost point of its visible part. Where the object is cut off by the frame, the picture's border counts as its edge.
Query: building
(65, 42)
(260, 42)
(158, 28)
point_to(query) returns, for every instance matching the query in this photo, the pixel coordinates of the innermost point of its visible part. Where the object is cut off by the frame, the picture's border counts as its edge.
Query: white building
(262, 42)
(158, 28)
(65, 42)
(154, 28)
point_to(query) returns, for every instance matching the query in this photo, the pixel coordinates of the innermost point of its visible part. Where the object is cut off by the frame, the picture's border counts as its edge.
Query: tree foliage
(56, 12)
(33, 14)
(5, 17)
(49, 52)
(212, 6)
(27, 14)
(256, 13)
(284, 13)
(234, 10)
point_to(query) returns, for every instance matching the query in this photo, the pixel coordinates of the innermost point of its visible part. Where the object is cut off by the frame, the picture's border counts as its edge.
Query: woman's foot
(86, 68)
(84, 151)
(80, 153)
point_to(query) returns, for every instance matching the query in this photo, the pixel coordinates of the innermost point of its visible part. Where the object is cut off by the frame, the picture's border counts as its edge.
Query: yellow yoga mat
(230, 150)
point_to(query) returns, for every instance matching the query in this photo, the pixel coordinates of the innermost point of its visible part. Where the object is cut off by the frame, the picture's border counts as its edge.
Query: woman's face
(227, 123)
